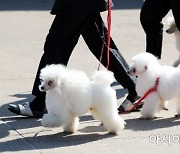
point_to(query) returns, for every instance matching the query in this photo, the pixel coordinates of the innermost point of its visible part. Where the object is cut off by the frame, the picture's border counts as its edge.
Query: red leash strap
(108, 32)
(146, 94)
(108, 37)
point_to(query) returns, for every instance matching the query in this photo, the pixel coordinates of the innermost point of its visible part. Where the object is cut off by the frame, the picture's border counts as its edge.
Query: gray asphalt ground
(24, 25)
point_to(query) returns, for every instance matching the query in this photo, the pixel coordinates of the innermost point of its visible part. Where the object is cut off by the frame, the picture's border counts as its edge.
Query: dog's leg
(94, 113)
(72, 125)
(163, 105)
(108, 115)
(54, 120)
(50, 120)
(151, 106)
(113, 122)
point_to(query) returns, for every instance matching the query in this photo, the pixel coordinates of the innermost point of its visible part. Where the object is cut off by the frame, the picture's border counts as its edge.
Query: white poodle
(172, 29)
(70, 93)
(148, 69)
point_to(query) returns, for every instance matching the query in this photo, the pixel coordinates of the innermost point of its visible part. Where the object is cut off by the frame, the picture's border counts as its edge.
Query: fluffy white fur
(172, 29)
(70, 94)
(148, 69)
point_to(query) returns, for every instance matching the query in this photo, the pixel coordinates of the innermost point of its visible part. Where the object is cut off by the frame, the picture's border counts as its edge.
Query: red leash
(146, 94)
(108, 32)
(108, 37)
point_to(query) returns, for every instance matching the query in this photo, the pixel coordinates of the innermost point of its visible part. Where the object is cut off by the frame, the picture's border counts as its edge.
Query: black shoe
(25, 110)
(127, 105)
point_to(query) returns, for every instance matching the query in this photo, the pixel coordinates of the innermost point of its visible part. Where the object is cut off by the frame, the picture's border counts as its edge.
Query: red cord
(145, 95)
(108, 32)
(108, 37)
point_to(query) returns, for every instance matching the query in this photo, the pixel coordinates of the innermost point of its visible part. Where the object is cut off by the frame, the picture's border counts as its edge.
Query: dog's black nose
(42, 88)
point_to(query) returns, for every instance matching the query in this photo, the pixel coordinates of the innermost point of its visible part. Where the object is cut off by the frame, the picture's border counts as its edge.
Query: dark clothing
(63, 37)
(151, 16)
(78, 6)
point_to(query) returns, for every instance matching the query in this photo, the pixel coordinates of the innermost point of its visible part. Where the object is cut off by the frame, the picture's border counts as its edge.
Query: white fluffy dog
(172, 29)
(70, 93)
(148, 69)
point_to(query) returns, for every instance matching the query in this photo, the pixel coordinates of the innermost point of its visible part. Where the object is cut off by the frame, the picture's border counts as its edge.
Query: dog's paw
(49, 121)
(165, 108)
(44, 123)
(112, 133)
(68, 132)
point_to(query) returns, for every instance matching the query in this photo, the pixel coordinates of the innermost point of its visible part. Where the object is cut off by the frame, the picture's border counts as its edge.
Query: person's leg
(93, 35)
(176, 12)
(151, 16)
(60, 42)
(58, 47)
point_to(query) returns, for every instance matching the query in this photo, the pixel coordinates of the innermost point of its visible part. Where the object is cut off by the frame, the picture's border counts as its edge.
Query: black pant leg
(60, 42)
(176, 11)
(151, 16)
(93, 35)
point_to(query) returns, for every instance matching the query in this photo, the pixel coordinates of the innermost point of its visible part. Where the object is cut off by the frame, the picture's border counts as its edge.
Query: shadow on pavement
(4, 112)
(53, 141)
(146, 125)
(120, 92)
(14, 122)
(21, 5)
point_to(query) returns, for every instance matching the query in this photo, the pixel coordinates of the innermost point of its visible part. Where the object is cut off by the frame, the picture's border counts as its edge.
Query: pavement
(23, 27)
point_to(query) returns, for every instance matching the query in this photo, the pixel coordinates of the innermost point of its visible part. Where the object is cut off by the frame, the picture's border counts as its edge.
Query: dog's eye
(50, 83)
(134, 70)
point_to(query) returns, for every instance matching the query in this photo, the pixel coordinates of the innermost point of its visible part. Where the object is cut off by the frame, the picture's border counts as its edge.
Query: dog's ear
(60, 84)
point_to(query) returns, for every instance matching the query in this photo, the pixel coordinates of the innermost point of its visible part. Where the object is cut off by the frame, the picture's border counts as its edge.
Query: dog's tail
(103, 77)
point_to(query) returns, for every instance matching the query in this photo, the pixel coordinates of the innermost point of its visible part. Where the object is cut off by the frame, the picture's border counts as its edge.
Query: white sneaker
(25, 109)
(21, 109)
(127, 105)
